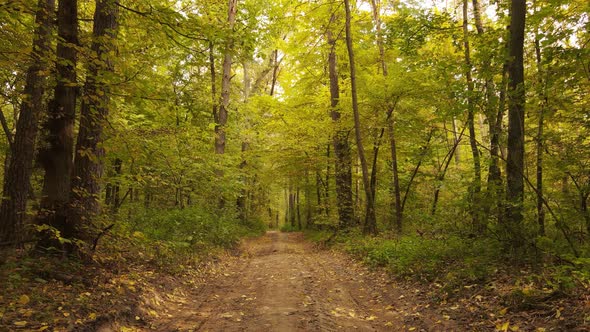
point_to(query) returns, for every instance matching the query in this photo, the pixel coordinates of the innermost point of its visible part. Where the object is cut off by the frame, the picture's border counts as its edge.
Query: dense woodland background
(432, 138)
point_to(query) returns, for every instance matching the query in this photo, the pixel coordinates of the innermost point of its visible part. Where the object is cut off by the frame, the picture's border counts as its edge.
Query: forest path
(281, 283)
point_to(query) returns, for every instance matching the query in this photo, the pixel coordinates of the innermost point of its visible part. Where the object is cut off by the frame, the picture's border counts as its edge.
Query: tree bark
(370, 226)
(56, 156)
(343, 160)
(20, 166)
(225, 82)
(89, 163)
(516, 102)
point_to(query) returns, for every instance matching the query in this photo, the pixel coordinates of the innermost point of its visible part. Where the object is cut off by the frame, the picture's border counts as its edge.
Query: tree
(516, 102)
(57, 152)
(89, 161)
(375, 4)
(370, 226)
(221, 119)
(342, 165)
(17, 177)
(476, 184)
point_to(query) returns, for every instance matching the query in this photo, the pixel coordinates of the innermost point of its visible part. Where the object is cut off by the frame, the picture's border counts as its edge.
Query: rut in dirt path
(281, 283)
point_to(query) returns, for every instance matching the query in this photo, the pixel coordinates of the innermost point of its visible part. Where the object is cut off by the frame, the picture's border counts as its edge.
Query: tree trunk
(88, 163)
(390, 125)
(116, 189)
(516, 101)
(456, 140)
(343, 160)
(370, 226)
(56, 156)
(476, 184)
(20, 166)
(396, 187)
(298, 202)
(544, 100)
(225, 82)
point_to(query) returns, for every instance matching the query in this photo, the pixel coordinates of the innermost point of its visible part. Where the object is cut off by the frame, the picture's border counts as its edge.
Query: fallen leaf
(21, 323)
(24, 299)
(503, 327)
(371, 317)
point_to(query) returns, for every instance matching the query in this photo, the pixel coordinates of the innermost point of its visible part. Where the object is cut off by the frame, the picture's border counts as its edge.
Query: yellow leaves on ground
(505, 327)
(24, 299)
(21, 323)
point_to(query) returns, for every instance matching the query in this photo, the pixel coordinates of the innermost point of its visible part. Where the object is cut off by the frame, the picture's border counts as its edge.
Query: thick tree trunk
(370, 226)
(343, 160)
(516, 102)
(20, 164)
(56, 156)
(88, 163)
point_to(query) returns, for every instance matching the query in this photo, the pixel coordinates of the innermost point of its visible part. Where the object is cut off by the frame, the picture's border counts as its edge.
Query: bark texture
(56, 156)
(89, 163)
(18, 174)
(516, 106)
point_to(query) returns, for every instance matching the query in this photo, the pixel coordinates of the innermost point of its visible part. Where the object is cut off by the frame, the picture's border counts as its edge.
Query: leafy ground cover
(52, 293)
(473, 280)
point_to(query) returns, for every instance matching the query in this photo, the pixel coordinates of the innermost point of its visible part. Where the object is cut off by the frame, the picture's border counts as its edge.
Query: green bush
(456, 258)
(289, 228)
(186, 234)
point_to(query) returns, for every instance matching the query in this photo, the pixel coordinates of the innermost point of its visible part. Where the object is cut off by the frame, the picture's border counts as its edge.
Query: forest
(295, 165)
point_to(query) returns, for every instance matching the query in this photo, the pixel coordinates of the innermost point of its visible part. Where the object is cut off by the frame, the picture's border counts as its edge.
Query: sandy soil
(279, 282)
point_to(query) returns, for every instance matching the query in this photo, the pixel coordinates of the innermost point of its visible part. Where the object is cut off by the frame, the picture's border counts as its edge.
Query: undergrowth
(177, 237)
(454, 261)
(48, 292)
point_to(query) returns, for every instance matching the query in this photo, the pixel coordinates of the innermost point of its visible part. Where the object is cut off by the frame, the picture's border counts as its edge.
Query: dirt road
(281, 283)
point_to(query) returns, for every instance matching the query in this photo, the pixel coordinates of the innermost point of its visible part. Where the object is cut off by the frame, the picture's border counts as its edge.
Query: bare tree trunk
(516, 101)
(56, 156)
(20, 164)
(89, 164)
(370, 226)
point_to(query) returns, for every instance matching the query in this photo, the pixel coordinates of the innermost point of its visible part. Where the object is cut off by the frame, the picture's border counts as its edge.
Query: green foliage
(173, 238)
(289, 228)
(452, 260)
